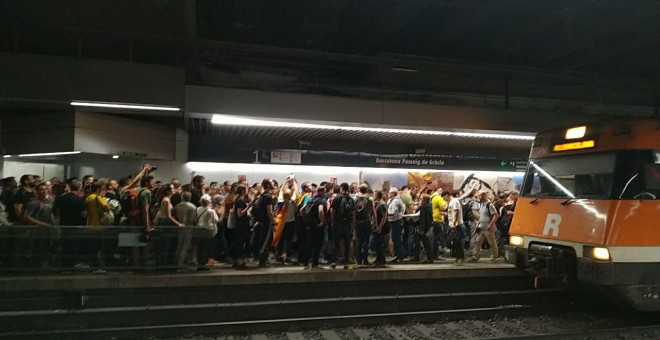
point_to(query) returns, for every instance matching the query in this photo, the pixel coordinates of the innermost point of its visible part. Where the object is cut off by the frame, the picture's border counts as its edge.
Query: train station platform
(223, 275)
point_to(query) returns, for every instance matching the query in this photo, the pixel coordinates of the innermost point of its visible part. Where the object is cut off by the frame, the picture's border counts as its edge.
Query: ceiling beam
(642, 14)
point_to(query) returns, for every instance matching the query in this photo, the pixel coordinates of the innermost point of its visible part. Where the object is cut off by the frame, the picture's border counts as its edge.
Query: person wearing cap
(395, 211)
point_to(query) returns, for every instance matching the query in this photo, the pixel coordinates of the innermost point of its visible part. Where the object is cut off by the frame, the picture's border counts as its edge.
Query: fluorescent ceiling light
(403, 69)
(125, 106)
(6, 156)
(242, 121)
(115, 156)
(49, 154)
(232, 120)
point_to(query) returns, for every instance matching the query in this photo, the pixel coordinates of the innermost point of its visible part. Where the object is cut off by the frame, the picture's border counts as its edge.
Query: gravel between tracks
(496, 326)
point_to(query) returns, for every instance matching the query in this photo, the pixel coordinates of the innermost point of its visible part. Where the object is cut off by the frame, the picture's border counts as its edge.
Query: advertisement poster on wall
(492, 182)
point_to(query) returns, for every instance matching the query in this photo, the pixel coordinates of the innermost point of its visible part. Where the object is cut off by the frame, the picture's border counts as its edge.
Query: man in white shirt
(185, 213)
(395, 211)
(456, 227)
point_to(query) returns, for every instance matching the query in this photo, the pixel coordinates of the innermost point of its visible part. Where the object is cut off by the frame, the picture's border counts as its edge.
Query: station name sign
(409, 161)
(359, 159)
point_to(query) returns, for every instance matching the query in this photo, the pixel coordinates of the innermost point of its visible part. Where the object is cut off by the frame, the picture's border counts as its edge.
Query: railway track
(458, 308)
(273, 315)
(505, 314)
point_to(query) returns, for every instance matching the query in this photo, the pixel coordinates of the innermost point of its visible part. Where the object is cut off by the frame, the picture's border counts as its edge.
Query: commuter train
(589, 210)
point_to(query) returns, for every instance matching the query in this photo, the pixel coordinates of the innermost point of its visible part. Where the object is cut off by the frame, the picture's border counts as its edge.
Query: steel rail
(281, 323)
(581, 334)
(284, 302)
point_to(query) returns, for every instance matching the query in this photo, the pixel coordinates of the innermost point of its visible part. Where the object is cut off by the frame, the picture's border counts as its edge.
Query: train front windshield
(607, 175)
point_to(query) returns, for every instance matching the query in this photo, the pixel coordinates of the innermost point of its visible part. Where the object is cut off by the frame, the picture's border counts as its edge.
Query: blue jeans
(397, 238)
(324, 243)
(221, 246)
(439, 242)
(410, 233)
(377, 242)
(316, 238)
(164, 242)
(362, 246)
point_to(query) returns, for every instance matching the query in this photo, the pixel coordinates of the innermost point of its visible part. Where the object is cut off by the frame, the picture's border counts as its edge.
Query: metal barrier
(37, 249)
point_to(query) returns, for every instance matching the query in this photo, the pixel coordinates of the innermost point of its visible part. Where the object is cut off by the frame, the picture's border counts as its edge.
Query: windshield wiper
(568, 201)
(545, 195)
(534, 200)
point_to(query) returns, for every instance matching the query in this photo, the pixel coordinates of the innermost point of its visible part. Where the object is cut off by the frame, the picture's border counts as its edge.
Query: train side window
(651, 179)
(636, 171)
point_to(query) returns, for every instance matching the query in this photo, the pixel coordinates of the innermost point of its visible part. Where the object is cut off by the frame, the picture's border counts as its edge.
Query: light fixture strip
(231, 120)
(320, 169)
(125, 106)
(49, 154)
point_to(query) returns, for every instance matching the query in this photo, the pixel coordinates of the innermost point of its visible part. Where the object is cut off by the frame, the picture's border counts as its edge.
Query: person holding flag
(285, 219)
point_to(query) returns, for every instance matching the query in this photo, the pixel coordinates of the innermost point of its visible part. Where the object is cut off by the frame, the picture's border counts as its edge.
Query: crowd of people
(137, 222)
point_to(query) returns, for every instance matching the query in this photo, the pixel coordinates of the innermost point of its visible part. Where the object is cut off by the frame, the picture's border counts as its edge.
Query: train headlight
(598, 253)
(516, 241)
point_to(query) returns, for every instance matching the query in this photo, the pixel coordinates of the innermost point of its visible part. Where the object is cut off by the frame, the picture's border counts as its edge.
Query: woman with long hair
(167, 225)
(423, 229)
(241, 228)
(381, 228)
(206, 228)
(225, 228)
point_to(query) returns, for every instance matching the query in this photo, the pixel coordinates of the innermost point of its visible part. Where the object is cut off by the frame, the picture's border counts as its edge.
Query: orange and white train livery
(589, 210)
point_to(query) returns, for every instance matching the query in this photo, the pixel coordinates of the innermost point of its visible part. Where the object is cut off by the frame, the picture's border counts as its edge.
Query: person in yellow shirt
(439, 206)
(95, 205)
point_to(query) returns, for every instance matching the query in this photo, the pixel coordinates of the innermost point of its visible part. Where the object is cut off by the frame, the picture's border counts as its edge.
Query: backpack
(129, 202)
(362, 209)
(467, 211)
(257, 209)
(346, 209)
(115, 206)
(106, 218)
(488, 204)
(310, 212)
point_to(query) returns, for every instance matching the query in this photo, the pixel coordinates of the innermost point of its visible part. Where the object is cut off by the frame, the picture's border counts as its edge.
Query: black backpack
(467, 211)
(362, 208)
(346, 209)
(310, 212)
(257, 209)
